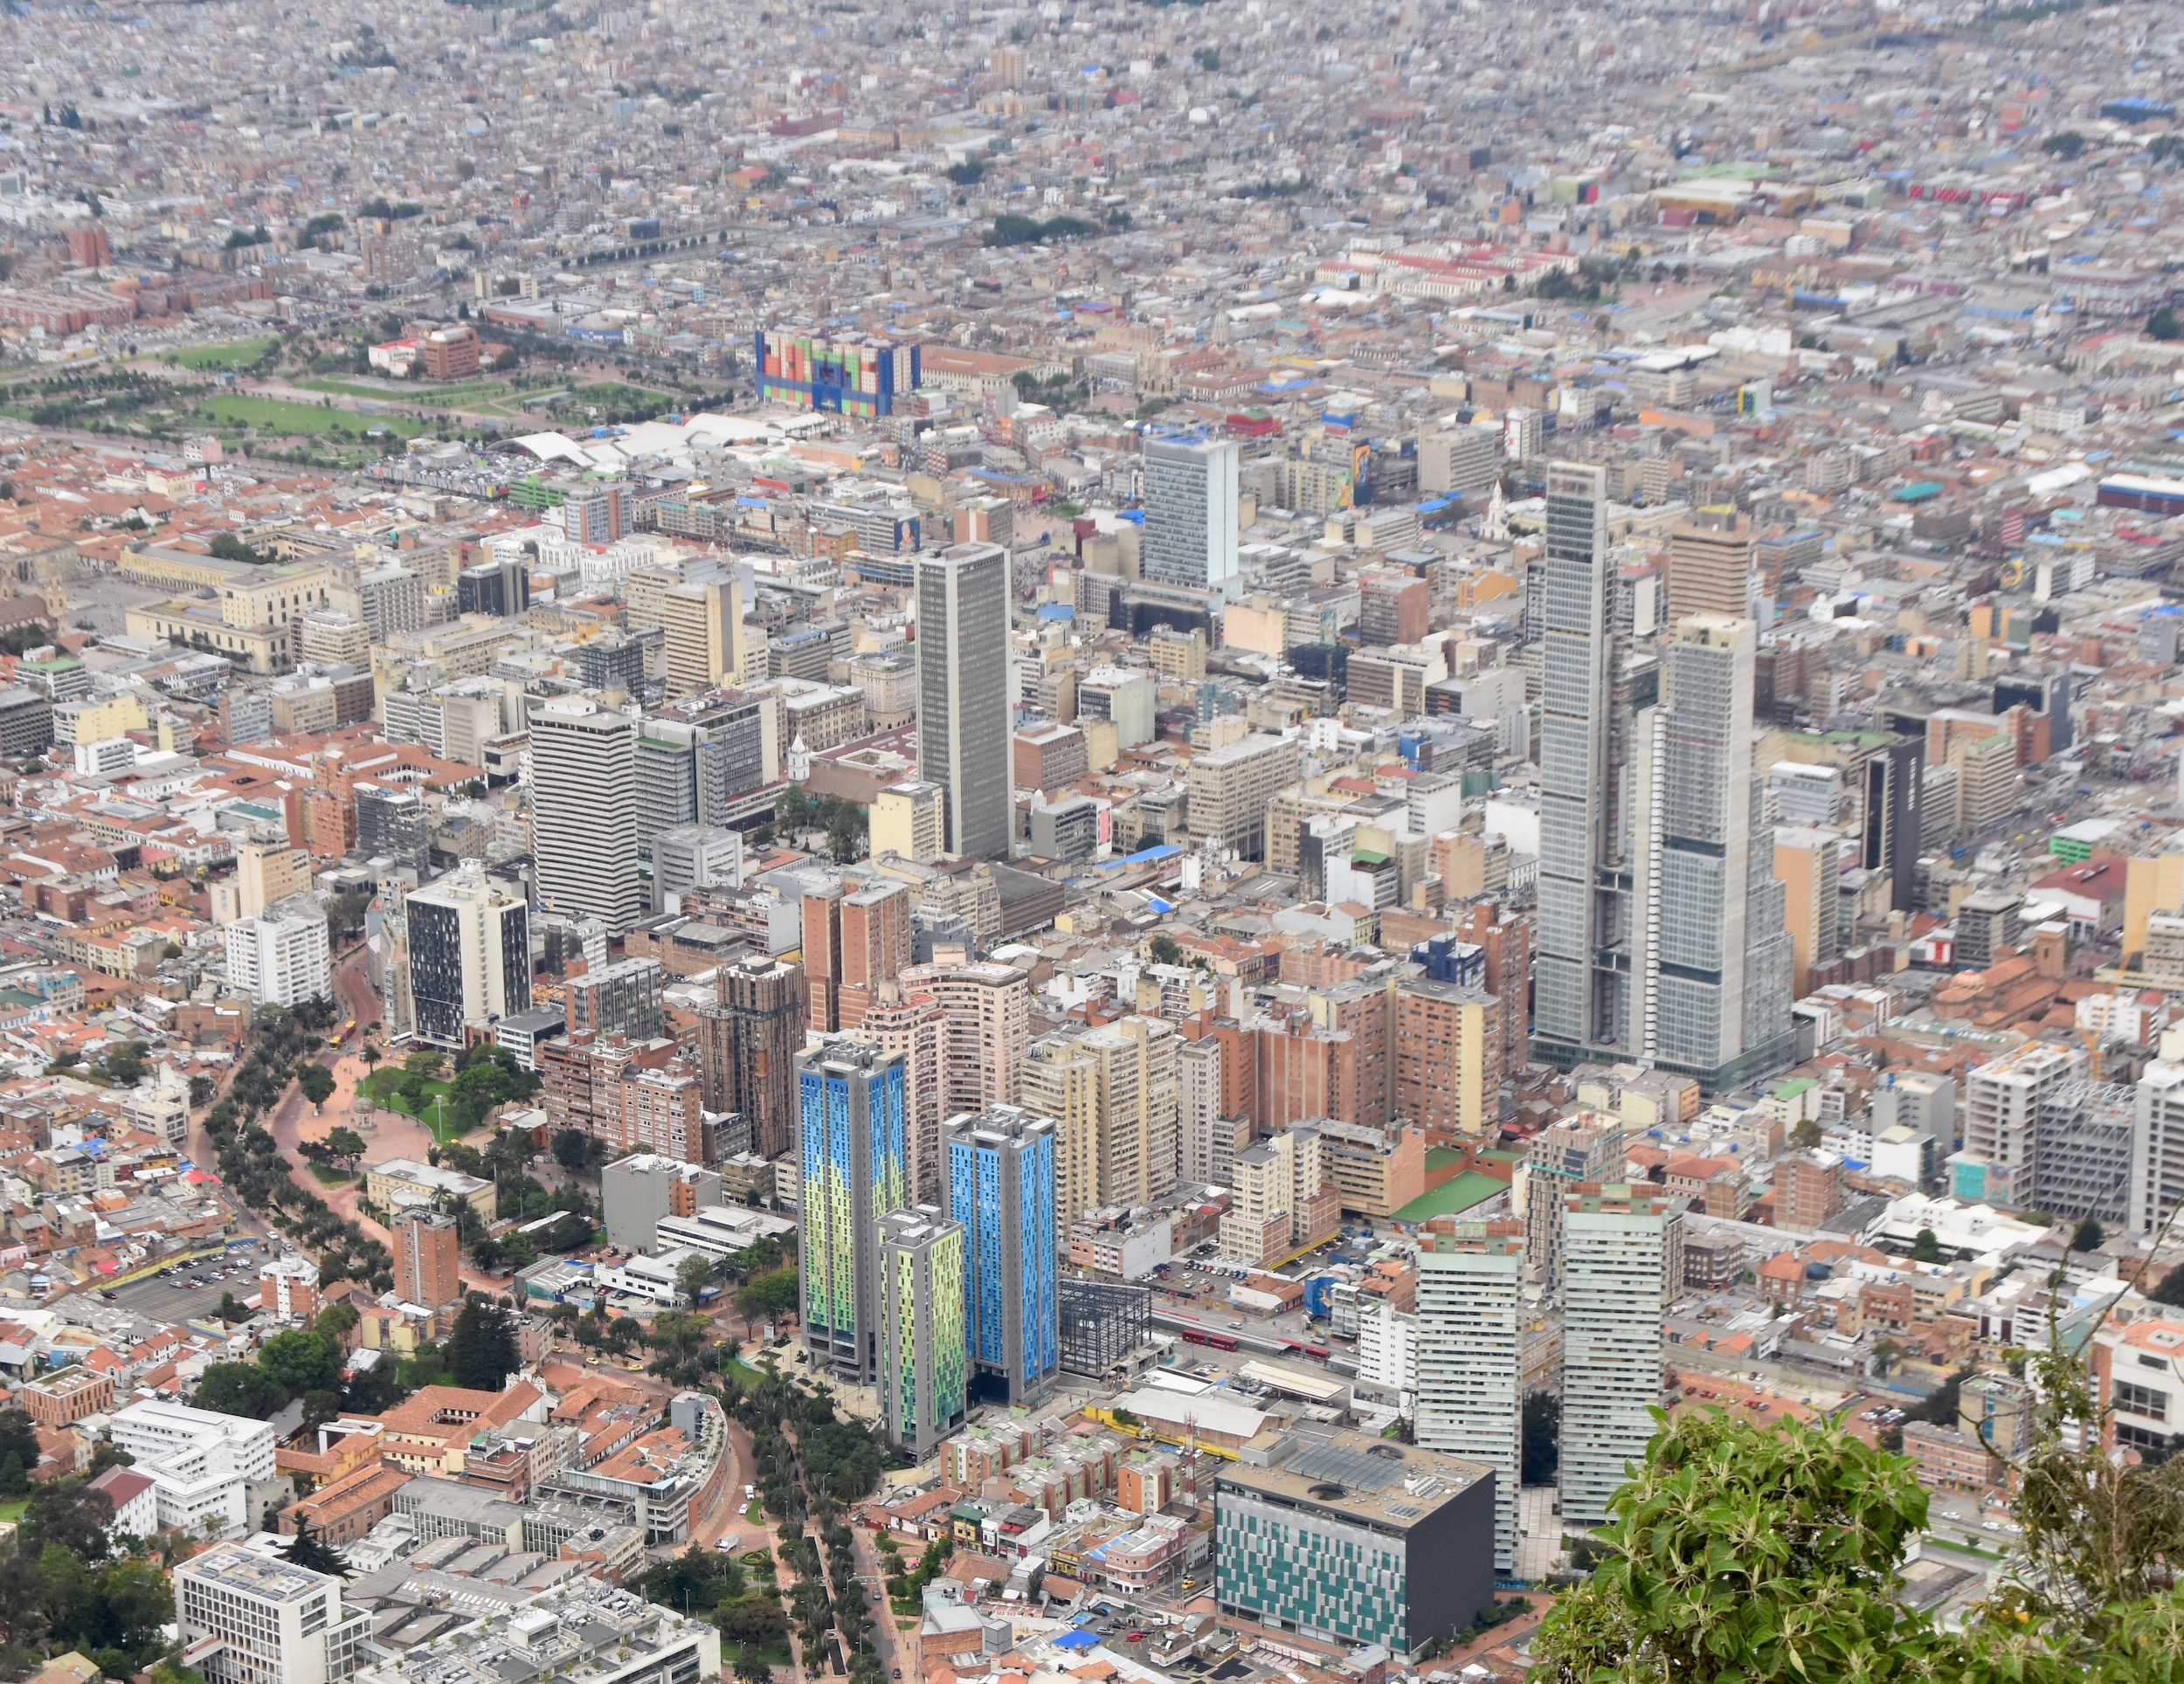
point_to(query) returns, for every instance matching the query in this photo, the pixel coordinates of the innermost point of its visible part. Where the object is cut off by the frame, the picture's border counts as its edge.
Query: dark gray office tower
(500, 589)
(962, 697)
(393, 823)
(26, 720)
(1890, 837)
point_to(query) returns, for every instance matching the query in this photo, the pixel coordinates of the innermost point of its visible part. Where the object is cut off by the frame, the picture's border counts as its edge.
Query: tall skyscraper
(1657, 938)
(470, 953)
(1809, 861)
(924, 1368)
(963, 696)
(748, 1044)
(584, 810)
(1471, 1311)
(1002, 1190)
(1621, 1255)
(1582, 994)
(1191, 512)
(850, 1099)
(1711, 934)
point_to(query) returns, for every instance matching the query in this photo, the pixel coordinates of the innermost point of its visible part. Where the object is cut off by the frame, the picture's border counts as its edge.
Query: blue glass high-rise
(1001, 1189)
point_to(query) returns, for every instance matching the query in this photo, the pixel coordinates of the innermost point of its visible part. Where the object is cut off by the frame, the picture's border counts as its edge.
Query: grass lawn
(235, 355)
(330, 1177)
(15, 1511)
(285, 417)
(456, 394)
(1453, 1197)
(380, 1084)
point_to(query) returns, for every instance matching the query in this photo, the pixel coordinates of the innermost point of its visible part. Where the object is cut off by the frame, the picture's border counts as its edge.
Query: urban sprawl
(1062, 842)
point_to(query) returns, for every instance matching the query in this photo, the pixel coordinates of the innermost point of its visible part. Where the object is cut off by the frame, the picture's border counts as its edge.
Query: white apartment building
(280, 958)
(202, 1463)
(1617, 1261)
(1387, 1352)
(1470, 1331)
(249, 1616)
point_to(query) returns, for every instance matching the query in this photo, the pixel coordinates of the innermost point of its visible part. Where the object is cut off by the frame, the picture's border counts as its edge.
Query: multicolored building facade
(849, 374)
(850, 1096)
(1002, 1190)
(924, 1370)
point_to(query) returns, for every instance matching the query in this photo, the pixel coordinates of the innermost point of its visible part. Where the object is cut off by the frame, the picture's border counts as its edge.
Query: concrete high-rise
(1470, 1324)
(850, 1103)
(1808, 863)
(1061, 1080)
(963, 694)
(704, 621)
(1002, 1190)
(924, 1368)
(470, 953)
(1710, 936)
(910, 1025)
(1622, 1244)
(748, 1043)
(1580, 1149)
(280, 958)
(987, 1009)
(584, 811)
(427, 1259)
(1190, 497)
(1710, 564)
(1582, 977)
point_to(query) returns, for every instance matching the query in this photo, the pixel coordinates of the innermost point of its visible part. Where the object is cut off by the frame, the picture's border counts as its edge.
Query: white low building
(202, 1464)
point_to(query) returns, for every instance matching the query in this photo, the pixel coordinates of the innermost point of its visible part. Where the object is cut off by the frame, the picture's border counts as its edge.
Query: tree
(1926, 1248)
(70, 1514)
(345, 1142)
(1938, 1407)
(1745, 1553)
(2066, 146)
(1806, 1135)
(1162, 949)
(572, 1149)
(2170, 1288)
(317, 1083)
(793, 810)
(299, 1361)
(694, 1276)
(425, 1062)
(2163, 324)
(1542, 1451)
(231, 1309)
(309, 1551)
(481, 1351)
(238, 1388)
(766, 1295)
(2088, 1237)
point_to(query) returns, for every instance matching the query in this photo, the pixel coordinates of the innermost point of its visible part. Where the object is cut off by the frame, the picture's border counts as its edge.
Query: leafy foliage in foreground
(1748, 1555)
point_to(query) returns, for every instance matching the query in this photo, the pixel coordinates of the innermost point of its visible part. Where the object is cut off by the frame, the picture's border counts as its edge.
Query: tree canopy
(481, 1351)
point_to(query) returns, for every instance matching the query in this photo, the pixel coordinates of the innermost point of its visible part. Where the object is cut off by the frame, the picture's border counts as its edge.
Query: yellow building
(905, 820)
(704, 625)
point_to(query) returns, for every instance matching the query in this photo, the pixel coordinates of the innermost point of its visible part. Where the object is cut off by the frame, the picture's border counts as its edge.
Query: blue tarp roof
(1077, 1641)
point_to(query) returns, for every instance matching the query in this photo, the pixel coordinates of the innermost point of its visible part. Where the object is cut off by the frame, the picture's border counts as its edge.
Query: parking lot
(175, 1299)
